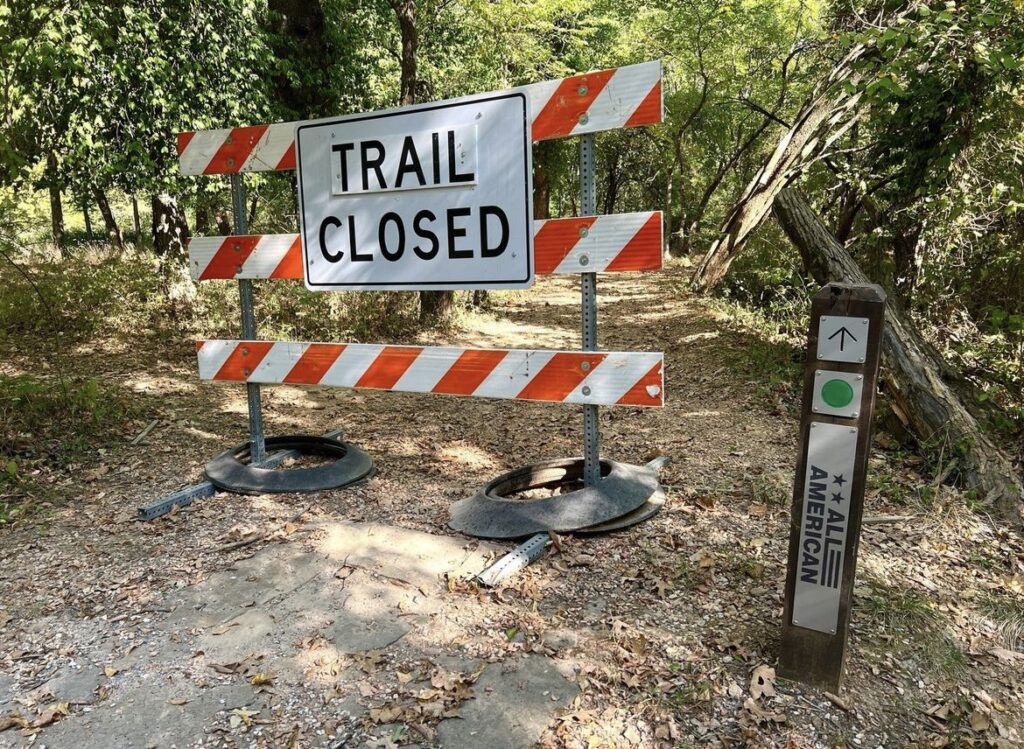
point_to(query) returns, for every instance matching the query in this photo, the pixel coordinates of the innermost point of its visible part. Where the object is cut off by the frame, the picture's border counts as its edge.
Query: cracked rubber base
(228, 472)
(626, 494)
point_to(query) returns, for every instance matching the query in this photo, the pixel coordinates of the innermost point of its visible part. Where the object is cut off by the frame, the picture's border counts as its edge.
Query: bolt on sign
(828, 497)
(436, 196)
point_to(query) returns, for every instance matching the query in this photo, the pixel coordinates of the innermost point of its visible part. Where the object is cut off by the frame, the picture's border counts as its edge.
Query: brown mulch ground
(676, 621)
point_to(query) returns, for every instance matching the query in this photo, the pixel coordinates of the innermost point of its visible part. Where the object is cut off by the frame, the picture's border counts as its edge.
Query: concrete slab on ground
(297, 623)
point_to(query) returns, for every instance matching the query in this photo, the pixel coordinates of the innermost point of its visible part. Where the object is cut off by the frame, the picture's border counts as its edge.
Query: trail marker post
(844, 352)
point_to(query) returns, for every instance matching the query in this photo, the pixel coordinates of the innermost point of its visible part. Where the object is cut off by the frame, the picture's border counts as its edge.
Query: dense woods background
(900, 126)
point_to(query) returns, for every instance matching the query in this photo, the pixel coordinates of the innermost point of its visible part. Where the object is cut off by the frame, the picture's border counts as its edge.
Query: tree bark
(170, 230)
(135, 218)
(829, 112)
(435, 306)
(405, 11)
(921, 385)
(113, 230)
(299, 39)
(88, 221)
(56, 207)
(541, 181)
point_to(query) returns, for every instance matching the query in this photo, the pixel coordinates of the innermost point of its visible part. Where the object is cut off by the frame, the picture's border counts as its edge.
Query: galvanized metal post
(588, 286)
(258, 448)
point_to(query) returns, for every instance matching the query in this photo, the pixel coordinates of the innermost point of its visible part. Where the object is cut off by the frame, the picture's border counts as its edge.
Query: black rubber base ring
(228, 472)
(622, 490)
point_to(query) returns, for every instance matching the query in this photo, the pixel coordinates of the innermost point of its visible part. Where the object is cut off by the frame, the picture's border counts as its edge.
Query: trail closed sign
(430, 197)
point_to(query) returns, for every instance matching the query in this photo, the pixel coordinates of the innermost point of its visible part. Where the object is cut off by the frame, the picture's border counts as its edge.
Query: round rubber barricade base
(228, 471)
(626, 494)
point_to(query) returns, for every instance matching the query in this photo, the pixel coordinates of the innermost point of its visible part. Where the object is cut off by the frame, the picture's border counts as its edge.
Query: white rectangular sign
(430, 197)
(828, 486)
(843, 339)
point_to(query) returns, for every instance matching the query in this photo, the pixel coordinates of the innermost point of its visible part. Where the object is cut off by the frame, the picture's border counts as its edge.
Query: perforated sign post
(437, 196)
(844, 345)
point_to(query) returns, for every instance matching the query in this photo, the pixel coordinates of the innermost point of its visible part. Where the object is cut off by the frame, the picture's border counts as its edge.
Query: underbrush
(47, 424)
(984, 341)
(55, 302)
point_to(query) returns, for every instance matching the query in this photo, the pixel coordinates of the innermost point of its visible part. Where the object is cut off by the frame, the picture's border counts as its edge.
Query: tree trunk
(56, 207)
(919, 382)
(253, 204)
(299, 40)
(829, 112)
(135, 219)
(202, 219)
(541, 181)
(224, 227)
(113, 230)
(405, 11)
(88, 221)
(170, 231)
(435, 306)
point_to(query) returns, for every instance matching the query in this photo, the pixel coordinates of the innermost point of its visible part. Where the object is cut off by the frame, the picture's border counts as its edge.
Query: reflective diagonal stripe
(606, 384)
(314, 362)
(596, 378)
(617, 243)
(629, 96)
(388, 367)
(568, 105)
(623, 242)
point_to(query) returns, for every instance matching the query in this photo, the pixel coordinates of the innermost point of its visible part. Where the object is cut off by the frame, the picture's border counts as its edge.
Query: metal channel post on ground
(588, 286)
(248, 324)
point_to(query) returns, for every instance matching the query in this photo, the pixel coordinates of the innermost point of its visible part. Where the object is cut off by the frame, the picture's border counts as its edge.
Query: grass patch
(908, 620)
(1007, 613)
(763, 351)
(897, 608)
(772, 489)
(45, 424)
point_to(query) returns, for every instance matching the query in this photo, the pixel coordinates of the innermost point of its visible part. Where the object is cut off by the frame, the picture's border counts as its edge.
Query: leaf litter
(670, 627)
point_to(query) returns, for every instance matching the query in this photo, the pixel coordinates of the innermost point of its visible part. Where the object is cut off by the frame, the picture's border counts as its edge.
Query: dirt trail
(662, 626)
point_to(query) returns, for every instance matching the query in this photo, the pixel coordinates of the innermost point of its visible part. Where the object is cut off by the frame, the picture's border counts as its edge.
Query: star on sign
(837, 497)
(839, 479)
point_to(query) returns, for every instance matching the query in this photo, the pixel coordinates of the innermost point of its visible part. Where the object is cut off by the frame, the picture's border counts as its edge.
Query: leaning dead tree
(918, 381)
(828, 113)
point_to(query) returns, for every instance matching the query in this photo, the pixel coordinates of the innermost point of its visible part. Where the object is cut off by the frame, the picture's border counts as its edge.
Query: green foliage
(50, 422)
(69, 301)
(54, 418)
(105, 86)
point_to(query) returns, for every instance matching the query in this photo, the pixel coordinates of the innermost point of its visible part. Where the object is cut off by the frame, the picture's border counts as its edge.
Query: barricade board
(619, 243)
(588, 377)
(629, 96)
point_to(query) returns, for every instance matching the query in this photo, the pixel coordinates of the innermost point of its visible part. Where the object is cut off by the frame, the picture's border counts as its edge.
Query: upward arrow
(842, 333)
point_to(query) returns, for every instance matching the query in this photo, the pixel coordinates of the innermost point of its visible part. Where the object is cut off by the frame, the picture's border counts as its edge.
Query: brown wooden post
(843, 355)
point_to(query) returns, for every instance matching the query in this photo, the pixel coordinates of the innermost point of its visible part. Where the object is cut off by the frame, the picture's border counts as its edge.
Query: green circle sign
(837, 393)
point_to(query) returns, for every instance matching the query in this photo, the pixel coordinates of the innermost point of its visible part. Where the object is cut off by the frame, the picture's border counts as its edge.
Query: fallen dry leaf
(979, 721)
(762, 682)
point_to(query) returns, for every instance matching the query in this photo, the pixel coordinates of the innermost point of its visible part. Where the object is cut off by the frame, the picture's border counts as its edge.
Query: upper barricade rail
(629, 96)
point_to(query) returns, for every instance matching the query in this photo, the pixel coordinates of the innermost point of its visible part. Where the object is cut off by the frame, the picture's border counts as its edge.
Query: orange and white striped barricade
(577, 106)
